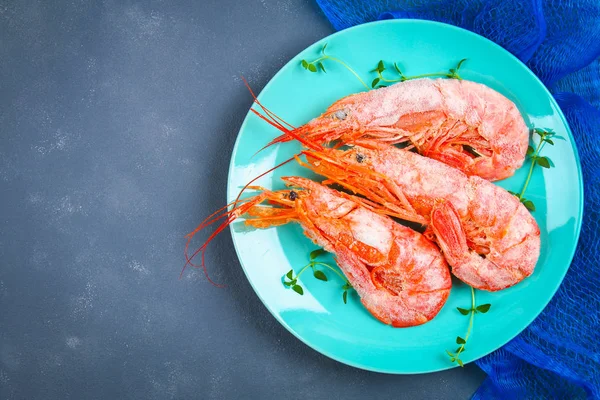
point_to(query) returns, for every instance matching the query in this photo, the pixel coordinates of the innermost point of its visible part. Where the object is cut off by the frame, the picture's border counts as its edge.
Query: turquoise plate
(347, 332)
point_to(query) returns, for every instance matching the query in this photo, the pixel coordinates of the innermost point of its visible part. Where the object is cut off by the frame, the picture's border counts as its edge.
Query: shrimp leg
(467, 265)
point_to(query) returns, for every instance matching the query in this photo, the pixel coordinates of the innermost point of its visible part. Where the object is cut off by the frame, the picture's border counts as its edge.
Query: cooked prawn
(400, 276)
(461, 123)
(488, 237)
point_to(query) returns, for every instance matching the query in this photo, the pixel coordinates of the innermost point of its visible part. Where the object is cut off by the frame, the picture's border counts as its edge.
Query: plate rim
(560, 114)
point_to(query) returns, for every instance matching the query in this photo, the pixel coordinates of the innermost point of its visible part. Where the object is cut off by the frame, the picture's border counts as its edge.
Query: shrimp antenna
(239, 207)
(276, 121)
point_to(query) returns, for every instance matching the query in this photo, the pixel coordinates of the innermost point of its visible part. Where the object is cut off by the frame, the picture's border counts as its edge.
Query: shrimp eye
(360, 158)
(340, 114)
(293, 195)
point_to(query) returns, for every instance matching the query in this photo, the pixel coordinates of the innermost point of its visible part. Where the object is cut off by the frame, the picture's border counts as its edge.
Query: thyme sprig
(455, 356)
(452, 74)
(546, 136)
(291, 280)
(317, 64)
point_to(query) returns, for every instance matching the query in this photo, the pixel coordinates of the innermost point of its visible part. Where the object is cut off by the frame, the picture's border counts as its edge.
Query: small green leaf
(513, 193)
(452, 359)
(461, 349)
(529, 205)
(544, 162)
(288, 284)
(450, 353)
(298, 289)
(293, 282)
(460, 340)
(463, 311)
(380, 66)
(558, 137)
(459, 361)
(345, 296)
(320, 275)
(460, 63)
(305, 64)
(452, 71)
(539, 131)
(550, 142)
(290, 274)
(323, 49)
(483, 308)
(316, 253)
(321, 66)
(381, 86)
(312, 68)
(530, 150)
(375, 82)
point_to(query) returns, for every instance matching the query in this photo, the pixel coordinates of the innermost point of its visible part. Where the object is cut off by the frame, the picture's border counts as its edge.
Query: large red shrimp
(461, 123)
(488, 237)
(400, 276)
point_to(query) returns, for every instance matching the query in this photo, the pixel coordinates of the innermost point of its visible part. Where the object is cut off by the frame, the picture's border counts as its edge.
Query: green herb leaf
(459, 361)
(462, 349)
(323, 49)
(452, 71)
(529, 205)
(513, 193)
(544, 162)
(550, 142)
(298, 289)
(316, 253)
(452, 359)
(450, 353)
(321, 66)
(460, 63)
(460, 340)
(320, 275)
(463, 311)
(345, 296)
(290, 274)
(380, 66)
(288, 284)
(312, 68)
(381, 86)
(483, 308)
(305, 64)
(530, 150)
(375, 82)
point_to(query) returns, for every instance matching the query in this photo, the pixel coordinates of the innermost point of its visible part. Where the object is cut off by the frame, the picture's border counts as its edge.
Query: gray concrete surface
(117, 119)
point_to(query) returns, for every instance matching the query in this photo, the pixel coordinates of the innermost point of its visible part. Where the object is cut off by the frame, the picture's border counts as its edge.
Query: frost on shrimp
(488, 237)
(464, 124)
(400, 276)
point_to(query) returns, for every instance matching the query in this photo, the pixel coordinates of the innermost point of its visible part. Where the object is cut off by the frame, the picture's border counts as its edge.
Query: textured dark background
(117, 120)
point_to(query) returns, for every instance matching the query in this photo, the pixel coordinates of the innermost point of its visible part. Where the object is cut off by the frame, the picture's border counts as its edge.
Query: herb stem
(533, 162)
(347, 67)
(462, 346)
(431, 74)
(310, 264)
(331, 269)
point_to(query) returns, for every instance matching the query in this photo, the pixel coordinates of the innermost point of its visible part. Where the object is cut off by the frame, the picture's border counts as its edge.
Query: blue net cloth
(558, 355)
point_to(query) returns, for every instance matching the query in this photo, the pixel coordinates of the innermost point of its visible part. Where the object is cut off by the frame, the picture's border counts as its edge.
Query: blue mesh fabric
(558, 355)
